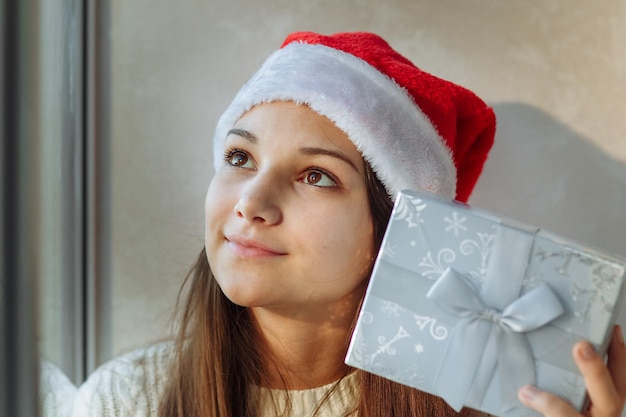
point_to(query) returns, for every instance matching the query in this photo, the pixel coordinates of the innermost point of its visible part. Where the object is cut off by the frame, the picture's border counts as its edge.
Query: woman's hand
(606, 384)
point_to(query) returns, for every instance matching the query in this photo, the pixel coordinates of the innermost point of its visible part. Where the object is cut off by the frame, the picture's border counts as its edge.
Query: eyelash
(323, 172)
(229, 153)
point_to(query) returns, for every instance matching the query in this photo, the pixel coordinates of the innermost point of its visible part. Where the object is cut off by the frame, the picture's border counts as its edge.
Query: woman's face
(288, 224)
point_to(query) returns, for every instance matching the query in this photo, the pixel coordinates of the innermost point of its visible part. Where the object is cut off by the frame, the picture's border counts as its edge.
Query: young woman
(308, 158)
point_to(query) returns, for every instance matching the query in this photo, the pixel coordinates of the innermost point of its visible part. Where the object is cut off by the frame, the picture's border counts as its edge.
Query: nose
(259, 201)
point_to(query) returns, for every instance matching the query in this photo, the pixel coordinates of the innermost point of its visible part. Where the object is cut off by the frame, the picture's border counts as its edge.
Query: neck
(307, 350)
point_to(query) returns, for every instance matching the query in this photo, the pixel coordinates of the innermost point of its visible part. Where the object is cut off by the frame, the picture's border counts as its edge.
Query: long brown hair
(219, 355)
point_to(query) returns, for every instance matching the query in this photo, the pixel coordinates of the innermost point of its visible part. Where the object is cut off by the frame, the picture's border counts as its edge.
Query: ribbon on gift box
(492, 333)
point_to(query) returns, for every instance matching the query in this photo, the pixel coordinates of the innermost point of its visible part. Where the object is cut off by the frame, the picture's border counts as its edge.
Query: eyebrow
(249, 136)
(252, 138)
(327, 152)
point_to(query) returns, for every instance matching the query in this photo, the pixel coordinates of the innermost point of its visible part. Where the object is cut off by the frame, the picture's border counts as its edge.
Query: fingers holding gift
(617, 361)
(545, 403)
(605, 384)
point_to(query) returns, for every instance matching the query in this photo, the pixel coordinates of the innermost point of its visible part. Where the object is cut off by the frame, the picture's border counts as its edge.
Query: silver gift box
(470, 306)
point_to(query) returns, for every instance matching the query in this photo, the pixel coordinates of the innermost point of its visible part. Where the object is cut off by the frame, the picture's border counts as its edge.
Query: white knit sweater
(131, 385)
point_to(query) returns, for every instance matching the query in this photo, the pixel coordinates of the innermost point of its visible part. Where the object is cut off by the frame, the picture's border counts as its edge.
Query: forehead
(287, 123)
(286, 115)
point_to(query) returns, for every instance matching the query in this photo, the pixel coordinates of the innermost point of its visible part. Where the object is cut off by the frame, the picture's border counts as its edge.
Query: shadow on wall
(544, 174)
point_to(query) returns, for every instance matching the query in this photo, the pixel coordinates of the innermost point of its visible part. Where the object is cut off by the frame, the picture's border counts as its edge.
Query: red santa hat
(416, 131)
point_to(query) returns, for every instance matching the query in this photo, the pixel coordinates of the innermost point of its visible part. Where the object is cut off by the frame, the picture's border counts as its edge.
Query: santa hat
(415, 130)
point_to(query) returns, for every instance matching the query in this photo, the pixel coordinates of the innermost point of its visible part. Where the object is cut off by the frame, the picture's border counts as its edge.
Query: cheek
(364, 241)
(209, 199)
(364, 245)
(359, 229)
(352, 244)
(216, 205)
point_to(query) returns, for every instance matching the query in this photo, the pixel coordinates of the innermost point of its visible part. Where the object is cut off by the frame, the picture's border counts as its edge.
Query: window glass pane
(61, 177)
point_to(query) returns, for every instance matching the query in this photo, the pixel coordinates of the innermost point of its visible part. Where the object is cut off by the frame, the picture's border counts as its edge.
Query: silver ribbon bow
(487, 338)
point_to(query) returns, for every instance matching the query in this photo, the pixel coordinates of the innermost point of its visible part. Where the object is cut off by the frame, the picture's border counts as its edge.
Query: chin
(242, 297)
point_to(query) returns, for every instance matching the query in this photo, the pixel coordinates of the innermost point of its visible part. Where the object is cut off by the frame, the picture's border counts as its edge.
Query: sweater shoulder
(129, 385)
(56, 392)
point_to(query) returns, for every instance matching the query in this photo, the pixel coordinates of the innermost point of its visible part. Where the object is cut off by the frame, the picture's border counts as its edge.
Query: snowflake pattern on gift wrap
(437, 332)
(419, 348)
(383, 370)
(436, 267)
(483, 246)
(567, 255)
(531, 280)
(412, 375)
(455, 224)
(603, 281)
(367, 317)
(390, 309)
(386, 346)
(408, 210)
(359, 350)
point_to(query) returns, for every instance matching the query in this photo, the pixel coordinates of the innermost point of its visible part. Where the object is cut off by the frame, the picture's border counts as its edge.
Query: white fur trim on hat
(382, 120)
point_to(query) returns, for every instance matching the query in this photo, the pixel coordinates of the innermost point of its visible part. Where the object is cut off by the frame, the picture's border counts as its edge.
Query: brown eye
(313, 177)
(237, 158)
(319, 178)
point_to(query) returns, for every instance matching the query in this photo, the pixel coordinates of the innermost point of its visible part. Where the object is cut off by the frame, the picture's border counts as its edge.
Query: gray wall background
(554, 71)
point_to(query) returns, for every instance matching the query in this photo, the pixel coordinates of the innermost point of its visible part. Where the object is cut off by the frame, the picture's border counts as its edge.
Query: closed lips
(252, 247)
